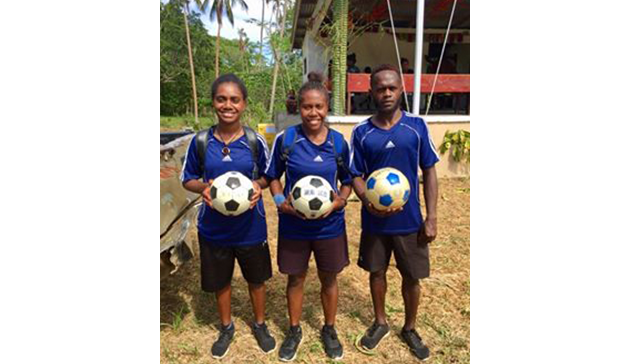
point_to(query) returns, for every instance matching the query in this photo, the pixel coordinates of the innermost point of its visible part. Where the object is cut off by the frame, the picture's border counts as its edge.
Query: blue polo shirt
(246, 229)
(307, 158)
(406, 146)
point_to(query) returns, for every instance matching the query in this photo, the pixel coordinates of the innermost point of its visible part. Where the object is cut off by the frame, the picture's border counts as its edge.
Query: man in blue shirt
(397, 139)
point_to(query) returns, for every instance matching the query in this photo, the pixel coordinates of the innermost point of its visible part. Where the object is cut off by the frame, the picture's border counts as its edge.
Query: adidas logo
(227, 158)
(318, 159)
(390, 145)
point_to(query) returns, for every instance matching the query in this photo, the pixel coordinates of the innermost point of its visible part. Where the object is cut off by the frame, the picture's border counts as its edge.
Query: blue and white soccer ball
(387, 188)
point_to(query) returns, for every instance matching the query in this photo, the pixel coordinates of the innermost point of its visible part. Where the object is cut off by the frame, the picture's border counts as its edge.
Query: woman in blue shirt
(312, 152)
(222, 239)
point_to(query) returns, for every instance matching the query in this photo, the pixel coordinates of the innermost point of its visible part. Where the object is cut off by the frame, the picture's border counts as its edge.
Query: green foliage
(175, 80)
(459, 144)
(237, 56)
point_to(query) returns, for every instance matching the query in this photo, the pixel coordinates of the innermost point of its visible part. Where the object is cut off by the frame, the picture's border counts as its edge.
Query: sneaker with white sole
(374, 335)
(332, 346)
(291, 343)
(266, 342)
(221, 347)
(415, 343)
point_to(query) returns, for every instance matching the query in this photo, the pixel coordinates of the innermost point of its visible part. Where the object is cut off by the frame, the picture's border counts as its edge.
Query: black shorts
(412, 255)
(217, 264)
(331, 255)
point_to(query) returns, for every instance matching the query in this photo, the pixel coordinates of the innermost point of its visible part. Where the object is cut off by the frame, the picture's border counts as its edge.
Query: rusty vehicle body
(178, 207)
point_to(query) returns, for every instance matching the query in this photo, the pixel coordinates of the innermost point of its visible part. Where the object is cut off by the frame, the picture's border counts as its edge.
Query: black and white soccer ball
(387, 188)
(231, 193)
(312, 196)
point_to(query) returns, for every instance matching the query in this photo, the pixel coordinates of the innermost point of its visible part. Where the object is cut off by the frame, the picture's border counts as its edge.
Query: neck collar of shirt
(310, 141)
(398, 122)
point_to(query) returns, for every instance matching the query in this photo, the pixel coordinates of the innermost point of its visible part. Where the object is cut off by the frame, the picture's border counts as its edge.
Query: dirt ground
(188, 317)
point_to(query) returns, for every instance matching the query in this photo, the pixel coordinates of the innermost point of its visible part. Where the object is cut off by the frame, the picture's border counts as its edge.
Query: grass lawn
(188, 316)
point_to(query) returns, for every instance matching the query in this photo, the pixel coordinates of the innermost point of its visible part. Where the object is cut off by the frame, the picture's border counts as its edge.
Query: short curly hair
(229, 78)
(381, 68)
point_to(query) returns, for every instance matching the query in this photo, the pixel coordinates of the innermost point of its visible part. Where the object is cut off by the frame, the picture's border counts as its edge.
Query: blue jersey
(406, 146)
(307, 158)
(247, 228)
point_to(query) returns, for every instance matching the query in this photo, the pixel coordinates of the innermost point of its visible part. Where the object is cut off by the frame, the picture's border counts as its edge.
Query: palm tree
(262, 26)
(282, 20)
(184, 5)
(242, 45)
(217, 10)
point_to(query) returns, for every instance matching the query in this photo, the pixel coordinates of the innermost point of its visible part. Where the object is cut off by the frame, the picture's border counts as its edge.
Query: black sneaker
(266, 342)
(415, 343)
(221, 347)
(291, 343)
(332, 346)
(374, 335)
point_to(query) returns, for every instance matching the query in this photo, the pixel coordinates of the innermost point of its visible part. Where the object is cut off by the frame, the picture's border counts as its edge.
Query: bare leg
(411, 296)
(378, 288)
(224, 298)
(329, 295)
(257, 295)
(295, 296)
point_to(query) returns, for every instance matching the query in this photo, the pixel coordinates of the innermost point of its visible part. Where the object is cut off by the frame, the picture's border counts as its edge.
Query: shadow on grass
(173, 307)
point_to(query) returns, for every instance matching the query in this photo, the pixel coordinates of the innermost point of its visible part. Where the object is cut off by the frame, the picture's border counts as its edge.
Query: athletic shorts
(331, 255)
(217, 264)
(412, 254)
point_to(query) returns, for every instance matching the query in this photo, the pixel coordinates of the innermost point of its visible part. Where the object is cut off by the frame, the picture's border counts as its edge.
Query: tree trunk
(262, 26)
(216, 52)
(192, 67)
(276, 65)
(340, 51)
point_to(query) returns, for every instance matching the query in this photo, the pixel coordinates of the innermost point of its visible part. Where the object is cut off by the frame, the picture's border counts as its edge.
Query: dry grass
(188, 317)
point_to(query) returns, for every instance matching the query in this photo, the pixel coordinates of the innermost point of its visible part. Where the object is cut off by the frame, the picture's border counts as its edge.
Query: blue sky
(240, 20)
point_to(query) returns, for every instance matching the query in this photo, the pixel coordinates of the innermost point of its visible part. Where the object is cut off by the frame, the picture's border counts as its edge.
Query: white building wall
(373, 49)
(316, 53)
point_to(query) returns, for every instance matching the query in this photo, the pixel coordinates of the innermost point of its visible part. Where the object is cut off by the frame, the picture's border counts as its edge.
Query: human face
(313, 109)
(228, 103)
(386, 91)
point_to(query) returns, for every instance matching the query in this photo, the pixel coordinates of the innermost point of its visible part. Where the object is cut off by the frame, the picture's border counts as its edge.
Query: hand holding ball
(312, 196)
(231, 193)
(387, 188)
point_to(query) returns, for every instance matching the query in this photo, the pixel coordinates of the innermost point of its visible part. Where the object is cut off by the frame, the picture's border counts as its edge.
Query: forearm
(262, 182)
(195, 186)
(276, 187)
(345, 191)
(430, 191)
(359, 188)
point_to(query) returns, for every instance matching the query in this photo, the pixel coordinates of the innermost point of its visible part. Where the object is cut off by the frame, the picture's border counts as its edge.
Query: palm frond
(213, 11)
(242, 3)
(228, 10)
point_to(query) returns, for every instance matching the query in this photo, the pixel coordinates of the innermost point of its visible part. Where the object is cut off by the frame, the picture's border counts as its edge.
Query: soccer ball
(231, 193)
(387, 188)
(312, 196)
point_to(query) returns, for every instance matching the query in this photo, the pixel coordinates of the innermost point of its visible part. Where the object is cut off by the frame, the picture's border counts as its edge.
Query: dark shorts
(412, 256)
(331, 255)
(217, 264)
